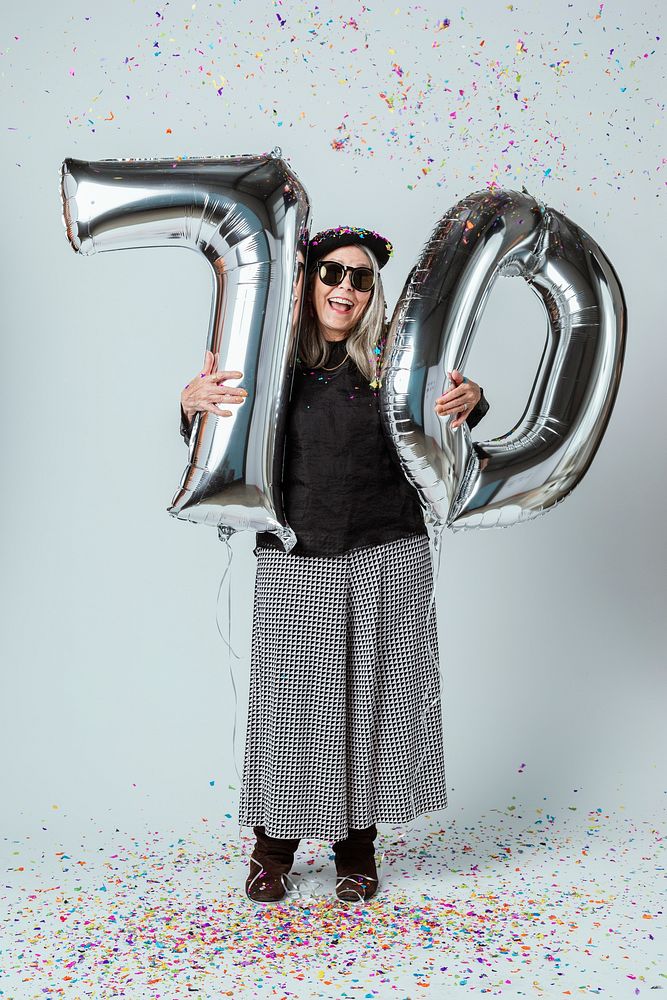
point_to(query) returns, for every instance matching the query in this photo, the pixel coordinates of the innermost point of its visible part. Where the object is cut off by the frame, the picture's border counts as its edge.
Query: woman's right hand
(206, 390)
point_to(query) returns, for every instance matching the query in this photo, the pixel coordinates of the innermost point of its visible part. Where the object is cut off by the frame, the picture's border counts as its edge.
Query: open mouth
(339, 305)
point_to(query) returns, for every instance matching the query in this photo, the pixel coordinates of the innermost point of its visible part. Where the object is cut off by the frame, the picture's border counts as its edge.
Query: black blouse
(343, 487)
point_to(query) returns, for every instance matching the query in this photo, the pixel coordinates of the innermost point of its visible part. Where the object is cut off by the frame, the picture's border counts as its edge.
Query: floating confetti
(444, 98)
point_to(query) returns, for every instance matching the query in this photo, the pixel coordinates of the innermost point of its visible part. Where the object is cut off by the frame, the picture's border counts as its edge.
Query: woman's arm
(206, 391)
(186, 426)
(454, 403)
(478, 411)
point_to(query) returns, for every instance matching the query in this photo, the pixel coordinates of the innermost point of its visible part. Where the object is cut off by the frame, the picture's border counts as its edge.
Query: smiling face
(339, 309)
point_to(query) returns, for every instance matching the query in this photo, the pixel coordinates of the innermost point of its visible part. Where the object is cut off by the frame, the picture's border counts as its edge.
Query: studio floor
(520, 902)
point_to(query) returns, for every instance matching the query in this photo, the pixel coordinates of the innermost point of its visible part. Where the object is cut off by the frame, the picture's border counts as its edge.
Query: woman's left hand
(460, 400)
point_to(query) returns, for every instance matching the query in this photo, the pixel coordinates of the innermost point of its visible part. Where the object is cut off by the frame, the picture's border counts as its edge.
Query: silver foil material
(244, 215)
(538, 462)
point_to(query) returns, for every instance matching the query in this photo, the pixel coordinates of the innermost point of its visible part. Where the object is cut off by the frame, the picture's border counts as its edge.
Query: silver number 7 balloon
(523, 473)
(244, 215)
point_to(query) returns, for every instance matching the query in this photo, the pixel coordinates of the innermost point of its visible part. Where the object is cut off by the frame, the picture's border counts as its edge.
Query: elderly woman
(338, 736)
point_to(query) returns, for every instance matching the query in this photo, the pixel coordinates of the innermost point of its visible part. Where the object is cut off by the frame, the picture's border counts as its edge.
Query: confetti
(443, 98)
(517, 903)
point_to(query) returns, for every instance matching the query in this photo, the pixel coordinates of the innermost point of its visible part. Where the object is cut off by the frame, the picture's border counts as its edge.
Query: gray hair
(361, 342)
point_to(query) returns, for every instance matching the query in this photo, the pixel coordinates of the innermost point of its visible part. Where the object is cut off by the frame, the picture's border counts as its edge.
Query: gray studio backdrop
(116, 692)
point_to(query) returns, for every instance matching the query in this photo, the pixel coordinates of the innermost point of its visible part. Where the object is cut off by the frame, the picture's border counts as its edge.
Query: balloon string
(435, 541)
(228, 643)
(301, 889)
(308, 888)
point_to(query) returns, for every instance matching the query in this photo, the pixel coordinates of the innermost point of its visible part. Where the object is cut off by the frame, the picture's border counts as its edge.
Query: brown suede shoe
(357, 877)
(270, 861)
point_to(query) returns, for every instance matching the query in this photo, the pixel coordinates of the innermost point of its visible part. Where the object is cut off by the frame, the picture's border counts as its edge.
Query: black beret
(344, 236)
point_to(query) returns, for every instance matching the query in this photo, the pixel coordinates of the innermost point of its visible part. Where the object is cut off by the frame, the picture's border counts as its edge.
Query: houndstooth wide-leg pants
(344, 720)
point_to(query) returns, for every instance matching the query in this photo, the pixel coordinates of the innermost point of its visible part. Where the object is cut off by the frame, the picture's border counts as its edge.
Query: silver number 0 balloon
(244, 215)
(523, 473)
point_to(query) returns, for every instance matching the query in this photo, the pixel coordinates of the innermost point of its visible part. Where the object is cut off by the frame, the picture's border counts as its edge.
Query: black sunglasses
(331, 273)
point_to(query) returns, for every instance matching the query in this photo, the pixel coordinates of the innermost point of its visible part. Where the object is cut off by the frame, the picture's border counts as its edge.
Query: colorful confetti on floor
(512, 903)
